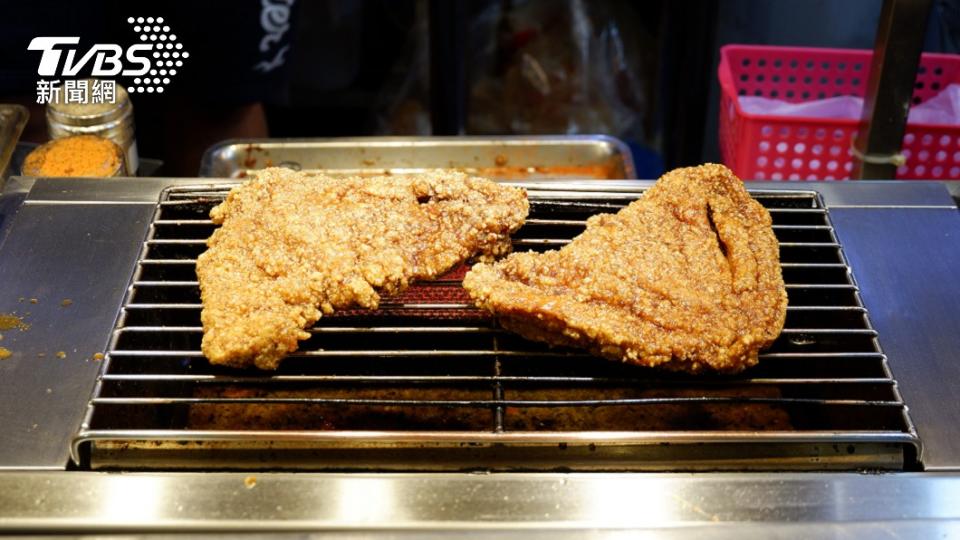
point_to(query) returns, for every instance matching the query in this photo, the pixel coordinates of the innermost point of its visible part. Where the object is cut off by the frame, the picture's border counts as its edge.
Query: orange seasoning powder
(80, 155)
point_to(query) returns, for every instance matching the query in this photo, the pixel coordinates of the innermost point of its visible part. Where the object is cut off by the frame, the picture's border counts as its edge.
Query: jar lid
(88, 113)
(80, 155)
(122, 125)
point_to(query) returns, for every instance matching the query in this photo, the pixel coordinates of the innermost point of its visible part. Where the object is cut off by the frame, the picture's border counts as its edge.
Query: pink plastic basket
(766, 147)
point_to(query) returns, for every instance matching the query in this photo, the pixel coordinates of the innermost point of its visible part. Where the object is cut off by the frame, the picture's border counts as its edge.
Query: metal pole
(896, 55)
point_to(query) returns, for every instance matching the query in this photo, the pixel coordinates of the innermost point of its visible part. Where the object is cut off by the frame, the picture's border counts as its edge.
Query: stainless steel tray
(13, 118)
(582, 156)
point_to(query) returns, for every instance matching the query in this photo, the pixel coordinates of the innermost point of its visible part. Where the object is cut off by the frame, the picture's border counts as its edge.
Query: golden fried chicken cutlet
(686, 278)
(293, 246)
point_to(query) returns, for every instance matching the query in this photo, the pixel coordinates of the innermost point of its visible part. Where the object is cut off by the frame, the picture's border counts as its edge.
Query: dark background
(647, 72)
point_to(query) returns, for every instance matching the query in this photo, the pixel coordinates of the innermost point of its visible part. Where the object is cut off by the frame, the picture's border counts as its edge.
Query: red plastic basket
(764, 147)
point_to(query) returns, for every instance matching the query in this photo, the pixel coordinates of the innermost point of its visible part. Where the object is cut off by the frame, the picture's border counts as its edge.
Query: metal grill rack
(430, 383)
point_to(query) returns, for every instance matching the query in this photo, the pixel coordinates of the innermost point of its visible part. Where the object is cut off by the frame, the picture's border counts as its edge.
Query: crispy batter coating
(686, 278)
(293, 246)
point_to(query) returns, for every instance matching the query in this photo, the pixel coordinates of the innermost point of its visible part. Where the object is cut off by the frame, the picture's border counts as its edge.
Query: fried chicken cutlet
(686, 278)
(293, 246)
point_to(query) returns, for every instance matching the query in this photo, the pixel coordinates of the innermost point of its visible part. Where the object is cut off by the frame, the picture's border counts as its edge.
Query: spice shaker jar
(110, 120)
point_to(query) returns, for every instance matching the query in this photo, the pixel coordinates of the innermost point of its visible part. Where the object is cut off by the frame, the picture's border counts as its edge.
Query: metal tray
(13, 118)
(503, 158)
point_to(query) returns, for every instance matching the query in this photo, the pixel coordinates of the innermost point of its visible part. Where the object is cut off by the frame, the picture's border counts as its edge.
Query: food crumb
(66, 302)
(34, 301)
(41, 354)
(5, 353)
(250, 482)
(49, 390)
(500, 160)
(61, 354)
(10, 321)
(98, 356)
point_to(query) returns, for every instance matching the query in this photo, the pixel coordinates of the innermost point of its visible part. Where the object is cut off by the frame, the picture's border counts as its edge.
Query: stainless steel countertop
(906, 264)
(91, 231)
(80, 260)
(522, 503)
(897, 235)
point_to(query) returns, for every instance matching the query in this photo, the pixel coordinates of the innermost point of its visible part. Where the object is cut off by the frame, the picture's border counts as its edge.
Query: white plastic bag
(944, 108)
(842, 107)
